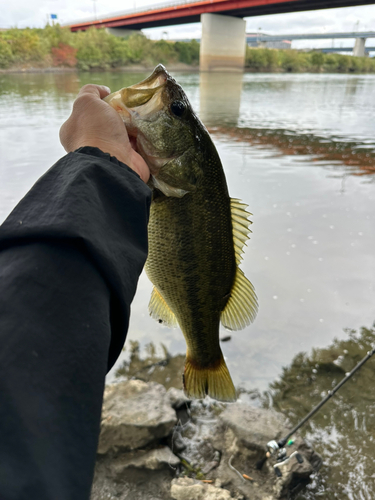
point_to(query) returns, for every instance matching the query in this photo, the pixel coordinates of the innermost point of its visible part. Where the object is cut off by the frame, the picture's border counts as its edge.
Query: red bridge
(190, 12)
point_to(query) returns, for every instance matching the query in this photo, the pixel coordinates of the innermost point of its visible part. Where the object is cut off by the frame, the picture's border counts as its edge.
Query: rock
(253, 427)
(130, 483)
(151, 459)
(134, 414)
(210, 466)
(177, 398)
(189, 489)
(241, 434)
(219, 442)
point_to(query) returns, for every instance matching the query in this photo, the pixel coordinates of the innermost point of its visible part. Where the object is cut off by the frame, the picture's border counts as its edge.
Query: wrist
(132, 159)
(111, 149)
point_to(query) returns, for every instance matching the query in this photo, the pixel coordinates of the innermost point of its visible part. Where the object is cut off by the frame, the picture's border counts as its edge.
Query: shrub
(317, 59)
(64, 55)
(188, 52)
(6, 55)
(26, 45)
(139, 47)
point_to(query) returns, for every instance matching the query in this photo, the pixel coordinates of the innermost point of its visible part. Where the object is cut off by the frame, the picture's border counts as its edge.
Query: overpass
(312, 36)
(358, 50)
(223, 27)
(328, 50)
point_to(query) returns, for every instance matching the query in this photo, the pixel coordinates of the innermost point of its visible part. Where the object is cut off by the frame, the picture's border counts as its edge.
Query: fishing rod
(274, 446)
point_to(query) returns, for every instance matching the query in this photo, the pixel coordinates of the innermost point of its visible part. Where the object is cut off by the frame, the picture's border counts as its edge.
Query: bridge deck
(310, 36)
(191, 12)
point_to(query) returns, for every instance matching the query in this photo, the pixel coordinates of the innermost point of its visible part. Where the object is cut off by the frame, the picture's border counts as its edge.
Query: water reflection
(343, 431)
(331, 152)
(65, 84)
(220, 97)
(152, 365)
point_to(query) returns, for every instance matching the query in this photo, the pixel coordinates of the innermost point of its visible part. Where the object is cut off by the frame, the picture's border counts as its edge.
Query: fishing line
(274, 445)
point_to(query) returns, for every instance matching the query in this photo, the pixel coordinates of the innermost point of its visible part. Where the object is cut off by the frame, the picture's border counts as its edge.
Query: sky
(23, 13)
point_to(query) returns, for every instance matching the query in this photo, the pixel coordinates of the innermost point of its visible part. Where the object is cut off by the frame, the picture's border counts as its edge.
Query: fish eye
(177, 108)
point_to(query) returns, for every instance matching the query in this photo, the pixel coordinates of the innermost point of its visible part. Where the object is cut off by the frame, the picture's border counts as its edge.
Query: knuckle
(89, 88)
(82, 101)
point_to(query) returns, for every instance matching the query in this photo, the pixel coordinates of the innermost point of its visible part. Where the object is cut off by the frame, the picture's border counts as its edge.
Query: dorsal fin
(242, 305)
(240, 224)
(160, 310)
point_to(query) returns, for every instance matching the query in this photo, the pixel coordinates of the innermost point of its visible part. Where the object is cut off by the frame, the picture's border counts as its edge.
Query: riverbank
(54, 49)
(162, 446)
(180, 67)
(134, 68)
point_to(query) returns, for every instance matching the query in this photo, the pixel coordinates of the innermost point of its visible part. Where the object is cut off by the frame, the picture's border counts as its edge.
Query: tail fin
(214, 381)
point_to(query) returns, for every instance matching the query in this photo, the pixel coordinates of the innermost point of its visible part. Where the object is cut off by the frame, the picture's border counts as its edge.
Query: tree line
(96, 48)
(262, 59)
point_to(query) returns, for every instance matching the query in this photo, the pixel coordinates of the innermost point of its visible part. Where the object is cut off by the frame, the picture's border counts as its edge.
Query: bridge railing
(139, 10)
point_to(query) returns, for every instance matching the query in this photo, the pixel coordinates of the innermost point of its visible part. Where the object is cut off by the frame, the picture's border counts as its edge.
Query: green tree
(317, 59)
(26, 45)
(6, 55)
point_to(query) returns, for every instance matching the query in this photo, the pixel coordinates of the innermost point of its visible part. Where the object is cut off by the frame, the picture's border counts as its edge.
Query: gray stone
(134, 414)
(241, 434)
(253, 427)
(177, 398)
(190, 489)
(146, 459)
(131, 483)
(224, 442)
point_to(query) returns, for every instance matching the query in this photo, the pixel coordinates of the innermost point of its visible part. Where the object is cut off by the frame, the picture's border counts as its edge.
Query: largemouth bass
(196, 231)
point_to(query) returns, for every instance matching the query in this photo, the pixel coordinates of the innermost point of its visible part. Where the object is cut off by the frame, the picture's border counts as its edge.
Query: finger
(96, 90)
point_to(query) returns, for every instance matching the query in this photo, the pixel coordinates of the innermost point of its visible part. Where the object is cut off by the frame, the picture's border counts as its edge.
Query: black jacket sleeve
(70, 256)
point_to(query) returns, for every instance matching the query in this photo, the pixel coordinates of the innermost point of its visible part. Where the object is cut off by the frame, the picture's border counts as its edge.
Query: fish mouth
(141, 102)
(135, 101)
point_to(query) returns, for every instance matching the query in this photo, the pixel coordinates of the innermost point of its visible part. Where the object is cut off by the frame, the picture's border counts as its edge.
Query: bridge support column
(223, 43)
(359, 47)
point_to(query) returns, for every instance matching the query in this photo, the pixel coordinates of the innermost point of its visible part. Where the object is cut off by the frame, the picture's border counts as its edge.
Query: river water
(299, 149)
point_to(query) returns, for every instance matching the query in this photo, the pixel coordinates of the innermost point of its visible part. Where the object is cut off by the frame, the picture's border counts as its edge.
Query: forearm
(55, 334)
(70, 256)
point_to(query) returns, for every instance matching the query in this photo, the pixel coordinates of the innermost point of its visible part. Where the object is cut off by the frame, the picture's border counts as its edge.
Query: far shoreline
(179, 67)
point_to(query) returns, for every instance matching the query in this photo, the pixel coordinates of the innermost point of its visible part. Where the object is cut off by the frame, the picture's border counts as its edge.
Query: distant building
(252, 41)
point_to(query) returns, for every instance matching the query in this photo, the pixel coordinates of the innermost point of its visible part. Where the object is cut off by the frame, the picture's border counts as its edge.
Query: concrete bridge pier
(359, 47)
(223, 43)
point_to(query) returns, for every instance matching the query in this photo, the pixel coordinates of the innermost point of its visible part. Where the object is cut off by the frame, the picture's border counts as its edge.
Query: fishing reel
(281, 456)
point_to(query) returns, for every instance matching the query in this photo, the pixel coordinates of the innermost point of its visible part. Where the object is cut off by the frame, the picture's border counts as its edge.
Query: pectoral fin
(160, 310)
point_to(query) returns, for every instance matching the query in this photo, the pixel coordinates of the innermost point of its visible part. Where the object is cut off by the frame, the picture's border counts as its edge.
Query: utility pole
(93, 1)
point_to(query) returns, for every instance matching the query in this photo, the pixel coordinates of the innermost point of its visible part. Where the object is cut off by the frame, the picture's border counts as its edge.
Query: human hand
(93, 122)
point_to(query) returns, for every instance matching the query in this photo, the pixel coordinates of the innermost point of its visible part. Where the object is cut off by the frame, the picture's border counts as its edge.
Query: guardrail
(149, 8)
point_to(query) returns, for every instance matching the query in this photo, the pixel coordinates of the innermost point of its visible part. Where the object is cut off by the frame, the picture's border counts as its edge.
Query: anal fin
(160, 311)
(242, 305)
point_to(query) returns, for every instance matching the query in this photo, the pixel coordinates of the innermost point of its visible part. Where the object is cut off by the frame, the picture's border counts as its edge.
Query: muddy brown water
(300, 151)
